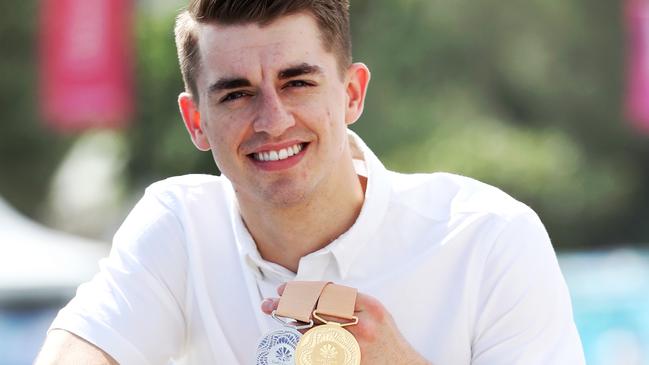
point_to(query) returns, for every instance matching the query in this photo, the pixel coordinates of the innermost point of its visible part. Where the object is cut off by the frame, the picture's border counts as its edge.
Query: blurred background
(546, 99)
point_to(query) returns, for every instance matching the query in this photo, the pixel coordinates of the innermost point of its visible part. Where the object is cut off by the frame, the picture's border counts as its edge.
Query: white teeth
(282, 154)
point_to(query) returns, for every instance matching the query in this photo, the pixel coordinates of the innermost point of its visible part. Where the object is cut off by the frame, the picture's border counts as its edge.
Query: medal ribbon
(337, 301)
(299, 298)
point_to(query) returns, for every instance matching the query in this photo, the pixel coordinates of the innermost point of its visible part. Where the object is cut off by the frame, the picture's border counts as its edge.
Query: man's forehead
(296, 31)
(241, 49)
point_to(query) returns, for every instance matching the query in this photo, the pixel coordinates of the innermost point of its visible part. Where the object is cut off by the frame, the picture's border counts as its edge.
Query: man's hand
(377, 334)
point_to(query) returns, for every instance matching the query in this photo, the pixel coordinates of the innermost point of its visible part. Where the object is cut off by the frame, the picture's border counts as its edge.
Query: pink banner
(637, 98)
(86, 63)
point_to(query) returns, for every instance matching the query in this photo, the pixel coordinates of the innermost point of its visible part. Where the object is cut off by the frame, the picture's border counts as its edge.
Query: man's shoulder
(188, 184)
(188, 181)
(444, 195)
(169, 205)
(188, 189)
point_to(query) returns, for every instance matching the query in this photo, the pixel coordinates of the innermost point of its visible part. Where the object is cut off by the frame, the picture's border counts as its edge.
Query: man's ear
(192, 118)
(358, 77)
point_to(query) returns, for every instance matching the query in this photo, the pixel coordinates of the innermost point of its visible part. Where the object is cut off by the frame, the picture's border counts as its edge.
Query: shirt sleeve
(524, 313)
(133, 308)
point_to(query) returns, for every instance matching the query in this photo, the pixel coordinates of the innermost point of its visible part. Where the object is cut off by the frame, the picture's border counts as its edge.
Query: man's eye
(298, 83)
(233, 96)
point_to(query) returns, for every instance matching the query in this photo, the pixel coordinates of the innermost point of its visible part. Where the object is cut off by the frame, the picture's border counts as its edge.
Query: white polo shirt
(467, 272)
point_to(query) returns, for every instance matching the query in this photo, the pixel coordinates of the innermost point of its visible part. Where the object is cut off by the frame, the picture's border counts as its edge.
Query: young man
(450, 271)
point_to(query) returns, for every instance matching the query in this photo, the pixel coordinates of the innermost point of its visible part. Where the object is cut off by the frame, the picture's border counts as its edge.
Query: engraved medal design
(328, 344)
(278, 347)
(294, 313)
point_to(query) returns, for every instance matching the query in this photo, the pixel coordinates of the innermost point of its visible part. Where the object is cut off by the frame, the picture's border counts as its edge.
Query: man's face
(274, 108)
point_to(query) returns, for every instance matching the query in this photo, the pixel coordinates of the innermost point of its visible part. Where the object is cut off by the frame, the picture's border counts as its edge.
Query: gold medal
(328, 344)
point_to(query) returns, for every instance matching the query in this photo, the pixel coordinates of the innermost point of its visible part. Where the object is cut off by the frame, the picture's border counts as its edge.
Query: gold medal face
(327, 344)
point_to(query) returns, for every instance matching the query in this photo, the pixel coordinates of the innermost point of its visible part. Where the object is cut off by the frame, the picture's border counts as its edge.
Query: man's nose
(272, 116)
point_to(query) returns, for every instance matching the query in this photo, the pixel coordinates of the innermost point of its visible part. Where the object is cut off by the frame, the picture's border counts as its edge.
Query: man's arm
(522, 309)
(63, 347)
(133, 308)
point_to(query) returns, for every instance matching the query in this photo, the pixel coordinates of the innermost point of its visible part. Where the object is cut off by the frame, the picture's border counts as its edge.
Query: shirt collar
(346, 248)
(248, 249)
(351, 244)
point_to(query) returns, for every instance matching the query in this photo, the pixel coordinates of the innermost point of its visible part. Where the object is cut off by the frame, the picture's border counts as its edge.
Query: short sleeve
(133, 308)
(523, 308)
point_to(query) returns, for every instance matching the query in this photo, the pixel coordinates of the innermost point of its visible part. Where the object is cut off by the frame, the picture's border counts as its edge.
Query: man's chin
(285, 199)
(283, 194)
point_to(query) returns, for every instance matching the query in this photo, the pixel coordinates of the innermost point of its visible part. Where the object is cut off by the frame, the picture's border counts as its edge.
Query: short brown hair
(332, 17)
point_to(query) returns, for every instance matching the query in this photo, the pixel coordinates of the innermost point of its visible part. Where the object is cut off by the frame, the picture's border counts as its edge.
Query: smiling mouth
(278, 155)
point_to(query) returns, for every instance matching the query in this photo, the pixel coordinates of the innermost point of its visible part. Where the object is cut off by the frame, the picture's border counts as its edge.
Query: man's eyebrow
(228, 83)
(287, 73)
(301, 69)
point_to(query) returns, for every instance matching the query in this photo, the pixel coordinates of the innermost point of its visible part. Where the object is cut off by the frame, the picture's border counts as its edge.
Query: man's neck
(284, 235)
